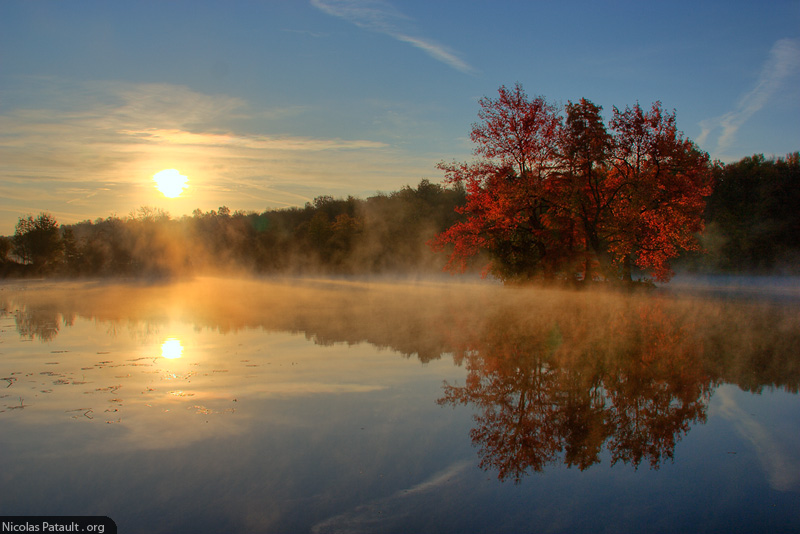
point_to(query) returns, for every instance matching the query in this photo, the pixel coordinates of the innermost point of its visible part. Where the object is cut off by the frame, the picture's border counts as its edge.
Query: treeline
(385, 233)
(752, 218)
(752, 226)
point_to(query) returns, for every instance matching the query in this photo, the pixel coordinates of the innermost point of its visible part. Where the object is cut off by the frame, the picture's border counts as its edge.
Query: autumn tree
(507, 187)
(580, 198)
(555, 196)
(660, 180)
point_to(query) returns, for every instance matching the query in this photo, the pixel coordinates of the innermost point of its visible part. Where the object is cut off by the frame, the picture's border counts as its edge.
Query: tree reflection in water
(556, 376)
(43, 324)
(550, 392)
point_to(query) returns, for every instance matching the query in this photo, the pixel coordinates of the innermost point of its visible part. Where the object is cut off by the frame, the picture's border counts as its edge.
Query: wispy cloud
(783, 62)
(81, 157)
(387, 513)
(254, 142)
(781, 464)
(380, 16)
(141, 122)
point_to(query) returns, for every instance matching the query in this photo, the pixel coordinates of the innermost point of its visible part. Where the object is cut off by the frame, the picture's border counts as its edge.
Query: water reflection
(43, 324)
(552, 376)
(552, 391)
(775, 447)
(171, 349)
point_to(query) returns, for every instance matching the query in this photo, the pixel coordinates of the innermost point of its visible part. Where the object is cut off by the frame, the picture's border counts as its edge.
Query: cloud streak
(388, 512)
(381, 17)
(147, 122)
(96, 155)
(254, 142)
(782, 63)
(781, 464)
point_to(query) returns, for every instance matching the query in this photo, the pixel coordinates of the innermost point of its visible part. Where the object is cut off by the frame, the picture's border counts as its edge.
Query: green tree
(72, 253)
(5, 248)
(754, 224)
(37, 241)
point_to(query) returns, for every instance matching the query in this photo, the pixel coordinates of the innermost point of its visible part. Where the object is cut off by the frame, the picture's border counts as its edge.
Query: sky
(264, 104)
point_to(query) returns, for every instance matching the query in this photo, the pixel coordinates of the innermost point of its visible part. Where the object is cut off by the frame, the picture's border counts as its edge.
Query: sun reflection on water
(172, 349)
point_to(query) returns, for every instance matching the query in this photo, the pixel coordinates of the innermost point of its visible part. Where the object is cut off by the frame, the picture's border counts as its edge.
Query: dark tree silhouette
(37, 242)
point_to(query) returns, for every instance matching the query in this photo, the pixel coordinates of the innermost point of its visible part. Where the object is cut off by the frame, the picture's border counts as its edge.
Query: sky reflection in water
(325, 406)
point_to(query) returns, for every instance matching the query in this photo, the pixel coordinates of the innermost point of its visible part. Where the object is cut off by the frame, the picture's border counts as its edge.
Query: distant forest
(752, 226)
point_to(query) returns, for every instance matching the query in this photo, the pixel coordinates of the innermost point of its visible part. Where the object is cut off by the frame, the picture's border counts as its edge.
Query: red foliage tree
(661, 180)
(507, 188)
(554, 196)
(579, 194)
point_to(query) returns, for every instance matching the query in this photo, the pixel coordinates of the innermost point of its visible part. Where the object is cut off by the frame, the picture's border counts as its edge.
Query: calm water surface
(218, 405)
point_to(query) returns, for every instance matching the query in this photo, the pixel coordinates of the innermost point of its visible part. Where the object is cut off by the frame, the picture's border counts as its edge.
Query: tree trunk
(626, 270)
(587, 270)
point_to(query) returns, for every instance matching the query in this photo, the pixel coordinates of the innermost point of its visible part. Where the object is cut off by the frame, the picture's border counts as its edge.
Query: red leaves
(666, 179)
(515, 131)
(555, 196)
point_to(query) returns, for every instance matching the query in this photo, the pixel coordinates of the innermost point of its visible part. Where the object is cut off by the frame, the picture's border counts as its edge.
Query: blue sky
(265, 104)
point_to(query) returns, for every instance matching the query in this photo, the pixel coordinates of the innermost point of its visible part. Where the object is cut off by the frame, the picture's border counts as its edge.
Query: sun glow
(170, 182)
(172, 349)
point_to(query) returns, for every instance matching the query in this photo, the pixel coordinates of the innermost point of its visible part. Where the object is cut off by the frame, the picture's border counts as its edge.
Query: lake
(222, 405)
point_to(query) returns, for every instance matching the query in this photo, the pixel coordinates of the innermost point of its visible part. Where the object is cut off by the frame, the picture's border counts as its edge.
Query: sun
(170, 182)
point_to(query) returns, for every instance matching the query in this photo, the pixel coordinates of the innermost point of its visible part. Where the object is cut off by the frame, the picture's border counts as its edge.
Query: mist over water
(441, 312)
(784, 288)
(355, 404)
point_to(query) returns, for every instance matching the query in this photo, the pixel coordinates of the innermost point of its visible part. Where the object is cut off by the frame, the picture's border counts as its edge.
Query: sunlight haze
(271, 104)
(170, 182)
